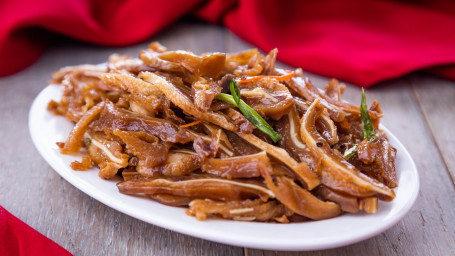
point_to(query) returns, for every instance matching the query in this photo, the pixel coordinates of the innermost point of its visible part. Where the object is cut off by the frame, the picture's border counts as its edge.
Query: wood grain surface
(419, 110)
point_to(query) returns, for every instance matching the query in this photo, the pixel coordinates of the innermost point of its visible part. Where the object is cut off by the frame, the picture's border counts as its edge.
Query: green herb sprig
(367, 127)
(350, 152)
(248, 111)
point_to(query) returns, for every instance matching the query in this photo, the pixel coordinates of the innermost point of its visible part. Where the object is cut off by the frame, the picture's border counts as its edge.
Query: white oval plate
(46, 129)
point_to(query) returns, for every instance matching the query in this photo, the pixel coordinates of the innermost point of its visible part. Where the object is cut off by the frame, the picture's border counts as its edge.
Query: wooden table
(419, 110)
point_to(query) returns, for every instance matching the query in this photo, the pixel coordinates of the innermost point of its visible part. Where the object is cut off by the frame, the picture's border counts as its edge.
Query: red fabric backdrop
(363, 42)
(17, 238)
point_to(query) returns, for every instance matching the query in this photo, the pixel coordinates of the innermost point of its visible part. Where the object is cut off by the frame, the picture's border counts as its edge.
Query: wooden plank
(426, 229)
(35, 193)
(436, 98)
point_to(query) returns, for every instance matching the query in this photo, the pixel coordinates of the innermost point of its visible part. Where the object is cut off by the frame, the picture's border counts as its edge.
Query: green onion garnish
(367, 127)
(350, 152)
(226, 97)
(248, 111)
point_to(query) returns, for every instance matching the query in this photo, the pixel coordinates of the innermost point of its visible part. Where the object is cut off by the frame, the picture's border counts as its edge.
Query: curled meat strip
(289, 128)
(209, 65)
(268, 97)
(183, 102)
(304, 88)
(247, 210)
(197, 187)
(336, 108)
(327, 128)
(74, 142)
(201, 138)
(224, 140)
(113, 118)
(378, 160)
(150, 150)
(204, 91)
(86, 71)
(130, 84)
(298, 199)
(107, 154)
(177, 163)
(246, 63)
(124, 63)
(301, 170)
(347, 203)
(235, 167)
(335, 172)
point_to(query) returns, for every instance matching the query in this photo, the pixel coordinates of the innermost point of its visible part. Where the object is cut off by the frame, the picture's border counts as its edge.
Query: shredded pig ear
(327, 128)
(114, 118)
(130, 83)
(246, 210)
(82, 71)
(197, 186)
(74, 142)
(227, 135)
(298, 199)
(209, 65)
(150, 151)
(347, 203)
(336, 173)
(268, 96)
(106, 153)
(183, 102)
(301, 170)
(236, 167)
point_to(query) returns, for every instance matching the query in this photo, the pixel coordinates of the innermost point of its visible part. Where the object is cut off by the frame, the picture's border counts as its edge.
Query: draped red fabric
(363, 42)
(17, 238)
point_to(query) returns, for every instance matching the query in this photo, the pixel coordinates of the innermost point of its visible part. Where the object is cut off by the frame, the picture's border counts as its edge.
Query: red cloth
(363, 42)
(17, 238)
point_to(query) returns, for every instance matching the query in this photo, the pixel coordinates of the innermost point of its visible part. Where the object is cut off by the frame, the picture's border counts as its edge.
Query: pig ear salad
(226, 135)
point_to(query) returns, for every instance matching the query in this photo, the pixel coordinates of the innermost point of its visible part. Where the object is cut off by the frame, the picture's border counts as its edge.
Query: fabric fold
(355, 41)
(17, 238)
